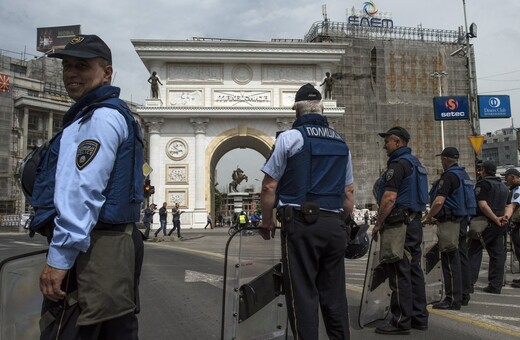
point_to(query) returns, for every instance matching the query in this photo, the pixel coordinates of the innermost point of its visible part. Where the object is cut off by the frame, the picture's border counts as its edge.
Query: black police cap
(397, 131)
(85, 47)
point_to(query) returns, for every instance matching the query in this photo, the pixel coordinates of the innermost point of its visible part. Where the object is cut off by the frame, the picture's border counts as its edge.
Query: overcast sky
(117, 22)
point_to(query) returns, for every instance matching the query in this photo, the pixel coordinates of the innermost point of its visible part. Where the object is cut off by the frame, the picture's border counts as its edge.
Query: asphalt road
(181, 292)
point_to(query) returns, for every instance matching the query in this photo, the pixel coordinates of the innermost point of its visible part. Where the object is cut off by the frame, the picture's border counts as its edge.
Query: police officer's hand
(503, 220)
(427, 220)
(375, 231)
(50, 283)
(267, 230)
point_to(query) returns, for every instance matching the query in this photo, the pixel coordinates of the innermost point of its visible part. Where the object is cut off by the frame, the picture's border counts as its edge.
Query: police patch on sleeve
(87, 150)
(477, 191)
(441, 182)
(389, 174)
(515, 196)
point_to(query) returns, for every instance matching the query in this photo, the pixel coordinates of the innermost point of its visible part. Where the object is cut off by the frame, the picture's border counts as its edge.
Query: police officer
(452, 203)
(491, 196)
(512, 214)
(308, 177)
(87, 198)
(402, 194)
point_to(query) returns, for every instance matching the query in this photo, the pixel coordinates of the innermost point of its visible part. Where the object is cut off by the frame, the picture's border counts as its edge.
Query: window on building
(18, 68)
(57, 124)
(506, 139)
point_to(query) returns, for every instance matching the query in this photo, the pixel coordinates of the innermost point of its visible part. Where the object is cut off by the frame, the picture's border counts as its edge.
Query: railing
(336, 30)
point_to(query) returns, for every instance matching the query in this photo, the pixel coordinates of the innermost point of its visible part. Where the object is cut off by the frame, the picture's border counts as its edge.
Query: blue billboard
(494, 107)
(451, 108)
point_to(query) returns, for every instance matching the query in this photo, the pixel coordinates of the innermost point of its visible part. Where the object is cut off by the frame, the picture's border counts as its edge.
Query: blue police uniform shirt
(78, 196)
(287, 145)
(515, 195)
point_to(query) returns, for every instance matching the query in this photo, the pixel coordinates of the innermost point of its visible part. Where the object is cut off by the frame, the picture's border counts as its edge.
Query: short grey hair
(308, 106)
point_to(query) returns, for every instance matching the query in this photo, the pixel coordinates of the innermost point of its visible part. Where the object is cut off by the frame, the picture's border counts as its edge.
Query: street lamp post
(439, 75)
(473, 117)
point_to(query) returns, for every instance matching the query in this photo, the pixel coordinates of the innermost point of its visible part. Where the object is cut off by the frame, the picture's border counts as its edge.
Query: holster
(310, 211)
(398, 215)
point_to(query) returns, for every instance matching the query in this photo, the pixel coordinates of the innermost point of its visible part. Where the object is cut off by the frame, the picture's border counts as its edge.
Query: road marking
(478, 320)
(28, 244)
(212, 279)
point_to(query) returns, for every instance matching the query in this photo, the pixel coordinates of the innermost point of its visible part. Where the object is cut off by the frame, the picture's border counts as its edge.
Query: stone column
(155, 152)
(199, 127)
(50, 123)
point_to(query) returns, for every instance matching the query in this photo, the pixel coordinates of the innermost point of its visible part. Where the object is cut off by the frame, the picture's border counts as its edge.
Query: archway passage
(242, 137)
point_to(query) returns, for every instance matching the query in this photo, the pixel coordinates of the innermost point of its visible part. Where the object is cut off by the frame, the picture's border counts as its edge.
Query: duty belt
(109, 226)
(322, 213)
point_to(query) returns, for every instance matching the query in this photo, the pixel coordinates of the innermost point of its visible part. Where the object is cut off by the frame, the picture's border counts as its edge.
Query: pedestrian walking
(148, 219)
(163, 214)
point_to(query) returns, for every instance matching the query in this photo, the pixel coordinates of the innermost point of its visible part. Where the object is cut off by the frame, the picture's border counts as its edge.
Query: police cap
(85, 47)
(397, 131)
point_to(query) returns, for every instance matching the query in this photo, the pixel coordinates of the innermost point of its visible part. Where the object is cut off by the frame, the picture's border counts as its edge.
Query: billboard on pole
(451, 107)
(498, 106)
(48, 38)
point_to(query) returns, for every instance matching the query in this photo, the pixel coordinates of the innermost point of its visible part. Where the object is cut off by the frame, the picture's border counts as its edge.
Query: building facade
(221, 94)
(502, 147)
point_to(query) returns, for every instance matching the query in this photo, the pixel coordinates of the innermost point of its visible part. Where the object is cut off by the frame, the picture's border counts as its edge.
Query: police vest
(123, 193)
(242, 219)
(413, 192)
(497, 195)
(317, 172)
(462, 201)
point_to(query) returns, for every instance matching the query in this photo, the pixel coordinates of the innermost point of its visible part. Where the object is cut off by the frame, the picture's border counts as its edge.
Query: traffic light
(478, 168)
(148, 189)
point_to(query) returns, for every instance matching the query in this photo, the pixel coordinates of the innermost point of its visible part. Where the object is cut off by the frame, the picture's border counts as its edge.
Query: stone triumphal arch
(219, 95)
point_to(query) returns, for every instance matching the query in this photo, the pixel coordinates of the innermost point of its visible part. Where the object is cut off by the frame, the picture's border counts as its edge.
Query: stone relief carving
(179, 196)
(195, 72)
(199, 124)
(242, 98)
(242, 74)
(186, 98)
(177, 174)
(177, 149)
(288, 74)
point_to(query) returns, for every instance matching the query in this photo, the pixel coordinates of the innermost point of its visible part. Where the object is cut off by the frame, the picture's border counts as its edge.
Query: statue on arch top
(154, 81)
(328, 82)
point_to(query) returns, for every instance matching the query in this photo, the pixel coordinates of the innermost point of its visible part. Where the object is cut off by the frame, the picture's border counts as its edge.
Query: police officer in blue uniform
(491, 196)
(308, 178)
(512, 213)
(402, 193)
(453, 202)
(87, 197)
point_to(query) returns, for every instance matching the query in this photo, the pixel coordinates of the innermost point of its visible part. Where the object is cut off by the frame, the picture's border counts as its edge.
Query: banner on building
(451, 108)
(5, 86)
(48, 38)
(494, 106)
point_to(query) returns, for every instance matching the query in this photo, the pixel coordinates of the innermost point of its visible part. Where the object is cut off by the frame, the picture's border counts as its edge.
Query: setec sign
(494, 107)
(451, 108)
